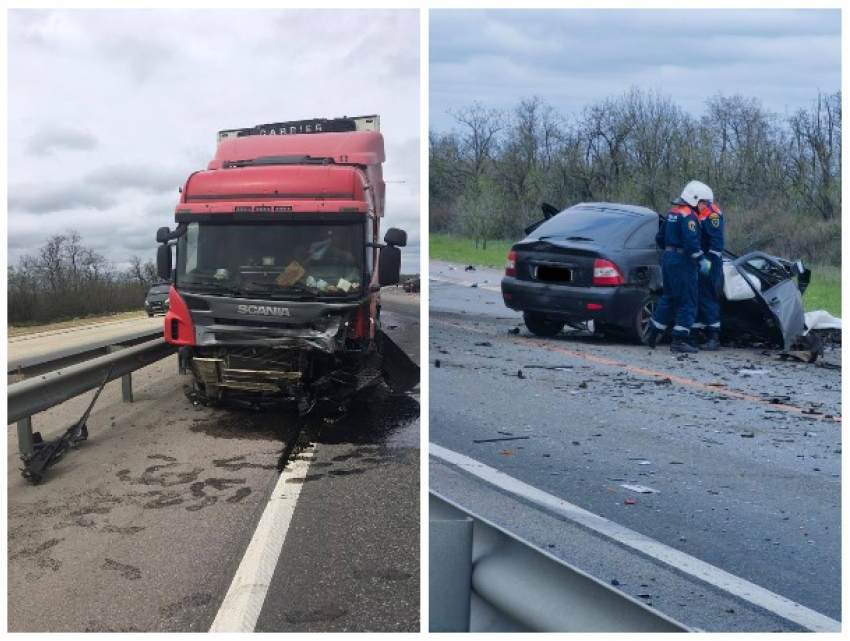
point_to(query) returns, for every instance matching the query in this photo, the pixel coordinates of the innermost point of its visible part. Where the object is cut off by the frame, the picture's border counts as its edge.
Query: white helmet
(696, 191)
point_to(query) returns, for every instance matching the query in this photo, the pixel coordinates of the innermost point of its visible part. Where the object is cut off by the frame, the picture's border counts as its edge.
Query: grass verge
(463, 251)
(824, 291)
(23, 330)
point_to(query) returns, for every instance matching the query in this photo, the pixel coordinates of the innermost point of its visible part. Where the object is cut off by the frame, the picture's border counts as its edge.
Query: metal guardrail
(484, 579)
(35, 365)
(34, 395)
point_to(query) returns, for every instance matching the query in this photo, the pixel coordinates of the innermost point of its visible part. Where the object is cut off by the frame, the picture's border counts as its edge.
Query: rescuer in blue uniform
(681, 264)
(708, 290)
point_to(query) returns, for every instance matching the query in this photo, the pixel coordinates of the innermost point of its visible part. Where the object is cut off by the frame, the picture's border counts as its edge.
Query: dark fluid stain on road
(268, 425)
(388, 421)
(192, 601)
(391, 421)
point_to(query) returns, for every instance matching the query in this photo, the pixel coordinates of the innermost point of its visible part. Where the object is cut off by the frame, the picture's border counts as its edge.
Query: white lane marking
(742, 588)
(244, 599)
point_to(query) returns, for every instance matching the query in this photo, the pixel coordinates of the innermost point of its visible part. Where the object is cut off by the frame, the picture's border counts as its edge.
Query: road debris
(503, 438)
(640, 489)
(46, 453)
(630, 502)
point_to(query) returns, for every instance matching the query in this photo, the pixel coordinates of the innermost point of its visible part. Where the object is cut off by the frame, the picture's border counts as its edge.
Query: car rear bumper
(612, 305)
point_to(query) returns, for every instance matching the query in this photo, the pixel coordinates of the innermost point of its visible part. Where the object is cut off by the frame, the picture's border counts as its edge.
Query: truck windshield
(272, 260)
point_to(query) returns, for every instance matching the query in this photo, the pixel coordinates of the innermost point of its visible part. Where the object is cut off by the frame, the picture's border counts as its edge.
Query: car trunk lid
(569, 262)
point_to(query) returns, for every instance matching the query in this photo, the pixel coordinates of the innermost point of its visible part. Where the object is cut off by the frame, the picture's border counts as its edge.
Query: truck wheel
(637, 330)
(540, 325)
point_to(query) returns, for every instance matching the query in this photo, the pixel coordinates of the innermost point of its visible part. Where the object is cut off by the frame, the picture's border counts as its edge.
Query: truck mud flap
(400, 372)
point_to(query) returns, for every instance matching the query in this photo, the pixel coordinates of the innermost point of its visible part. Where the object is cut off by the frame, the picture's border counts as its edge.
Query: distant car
(411, 285)
(156, 302)
(599, 262)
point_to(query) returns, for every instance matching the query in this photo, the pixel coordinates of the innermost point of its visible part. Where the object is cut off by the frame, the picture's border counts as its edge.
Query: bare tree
(814, 165)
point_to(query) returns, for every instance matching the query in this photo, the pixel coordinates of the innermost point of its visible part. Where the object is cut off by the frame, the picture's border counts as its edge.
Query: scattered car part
(46, 453)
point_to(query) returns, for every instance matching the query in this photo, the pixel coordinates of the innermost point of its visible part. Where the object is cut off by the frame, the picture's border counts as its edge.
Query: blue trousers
(679, 300)
(708, 297)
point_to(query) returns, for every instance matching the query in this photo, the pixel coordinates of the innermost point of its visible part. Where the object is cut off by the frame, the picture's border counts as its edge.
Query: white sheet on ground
(822, 319)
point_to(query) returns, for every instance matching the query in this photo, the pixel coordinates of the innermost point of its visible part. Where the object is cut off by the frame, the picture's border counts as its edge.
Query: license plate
(553, 274)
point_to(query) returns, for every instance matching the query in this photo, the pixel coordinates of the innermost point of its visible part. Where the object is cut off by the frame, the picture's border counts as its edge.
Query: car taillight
(606, 273)
(510, 265)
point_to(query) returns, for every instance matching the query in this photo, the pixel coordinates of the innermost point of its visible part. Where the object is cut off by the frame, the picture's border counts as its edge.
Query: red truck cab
(275, 292)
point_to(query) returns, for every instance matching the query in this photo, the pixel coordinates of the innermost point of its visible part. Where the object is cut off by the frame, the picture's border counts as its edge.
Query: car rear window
(609, 227)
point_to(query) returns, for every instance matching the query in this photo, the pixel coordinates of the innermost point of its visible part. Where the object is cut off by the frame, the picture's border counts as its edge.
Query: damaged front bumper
(272, 371)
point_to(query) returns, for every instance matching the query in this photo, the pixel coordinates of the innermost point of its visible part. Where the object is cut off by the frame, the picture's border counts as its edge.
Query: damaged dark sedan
(596, 265)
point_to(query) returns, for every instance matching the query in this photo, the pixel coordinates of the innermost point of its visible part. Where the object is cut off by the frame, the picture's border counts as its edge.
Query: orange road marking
(678, 379)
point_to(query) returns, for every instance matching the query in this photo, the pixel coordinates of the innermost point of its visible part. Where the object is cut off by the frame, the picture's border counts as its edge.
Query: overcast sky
(572, 58)
(109, 111)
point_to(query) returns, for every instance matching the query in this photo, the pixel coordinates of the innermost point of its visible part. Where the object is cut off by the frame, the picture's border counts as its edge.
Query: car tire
(539, 325)
(637, 329)
(150, 314)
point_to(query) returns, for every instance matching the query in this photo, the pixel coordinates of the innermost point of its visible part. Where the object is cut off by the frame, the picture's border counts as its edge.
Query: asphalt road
(739, 453)
(143, 526)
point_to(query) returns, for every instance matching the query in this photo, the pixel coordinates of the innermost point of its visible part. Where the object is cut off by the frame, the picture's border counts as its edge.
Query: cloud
(53, 139)
(125, 105)
(37, 198)
(572, 58)
(143, 178)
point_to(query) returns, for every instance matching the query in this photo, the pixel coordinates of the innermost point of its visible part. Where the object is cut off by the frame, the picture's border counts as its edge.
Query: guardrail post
(126, 380)
(449, 572)
(25, 442)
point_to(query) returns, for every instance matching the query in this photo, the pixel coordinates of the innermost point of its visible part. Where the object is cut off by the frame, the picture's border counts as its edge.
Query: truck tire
(539, 325)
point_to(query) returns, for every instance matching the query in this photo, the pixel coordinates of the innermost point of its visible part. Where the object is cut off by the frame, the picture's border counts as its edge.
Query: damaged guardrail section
(484, 579)
(34, 395)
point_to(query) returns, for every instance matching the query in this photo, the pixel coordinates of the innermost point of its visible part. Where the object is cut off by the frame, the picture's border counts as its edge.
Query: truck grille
(250, 369)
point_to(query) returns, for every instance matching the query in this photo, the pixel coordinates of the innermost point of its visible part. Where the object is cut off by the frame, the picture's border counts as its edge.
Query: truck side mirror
(163, 234)
(396, 237)
(163, 261)
(389, 266)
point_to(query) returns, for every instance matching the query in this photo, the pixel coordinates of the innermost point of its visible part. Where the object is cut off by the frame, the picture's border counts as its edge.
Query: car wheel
(540, 325)
(150, 314)
(637, 331)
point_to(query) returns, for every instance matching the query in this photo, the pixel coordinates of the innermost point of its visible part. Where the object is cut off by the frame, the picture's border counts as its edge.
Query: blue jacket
(711, 234)
(681, 230)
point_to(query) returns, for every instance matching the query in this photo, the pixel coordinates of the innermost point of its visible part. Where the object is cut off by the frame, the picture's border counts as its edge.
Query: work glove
(704, 266)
